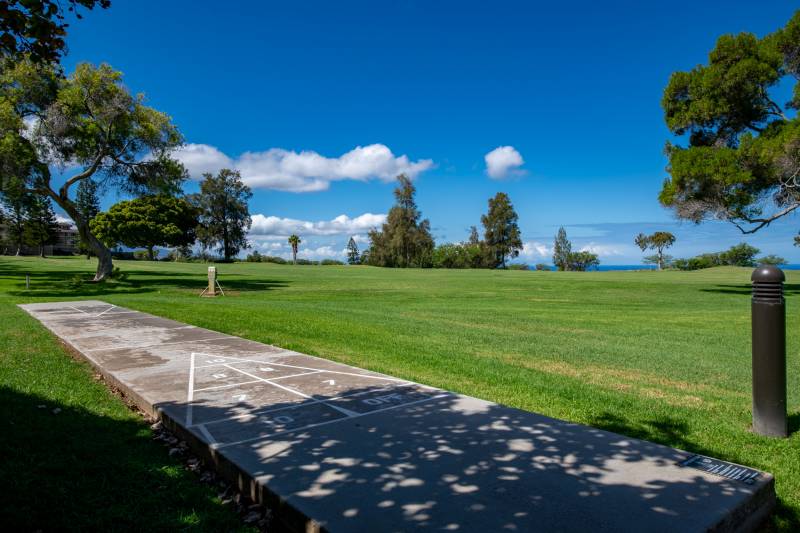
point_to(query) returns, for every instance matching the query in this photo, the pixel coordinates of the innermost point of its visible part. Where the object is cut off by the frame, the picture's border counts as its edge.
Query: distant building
(65, 242)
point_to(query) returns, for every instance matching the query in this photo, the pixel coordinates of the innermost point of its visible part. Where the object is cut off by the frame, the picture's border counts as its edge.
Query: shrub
(141, 255)
(542, 266)
(330, 262)
(518, 266)
(255, 257)
(273, 259)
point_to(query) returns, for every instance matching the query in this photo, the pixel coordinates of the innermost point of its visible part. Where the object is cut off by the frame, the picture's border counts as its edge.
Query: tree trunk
(294, 255)
(150, 253)
(105, 265)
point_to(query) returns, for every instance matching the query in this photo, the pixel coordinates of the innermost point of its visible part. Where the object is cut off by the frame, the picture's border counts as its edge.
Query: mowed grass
(663, 356)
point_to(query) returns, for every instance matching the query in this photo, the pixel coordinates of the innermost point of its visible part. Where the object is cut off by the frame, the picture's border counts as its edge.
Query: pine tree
(501, 230)
(352, 252)
(562, 250)
(88, 205)
(474, 238)
(15, 202)
(41, 225)
(404, 240)
(224, 215)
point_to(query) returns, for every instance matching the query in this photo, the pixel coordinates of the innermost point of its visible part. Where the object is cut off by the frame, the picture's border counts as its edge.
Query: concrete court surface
(338, 448)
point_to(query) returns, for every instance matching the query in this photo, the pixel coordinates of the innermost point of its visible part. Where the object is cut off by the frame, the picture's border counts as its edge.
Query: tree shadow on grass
(60, 283)
(746, 289)
(67, 468)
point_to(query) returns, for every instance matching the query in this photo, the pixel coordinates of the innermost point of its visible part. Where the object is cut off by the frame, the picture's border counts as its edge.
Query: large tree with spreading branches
(740, 161)
(88, 126)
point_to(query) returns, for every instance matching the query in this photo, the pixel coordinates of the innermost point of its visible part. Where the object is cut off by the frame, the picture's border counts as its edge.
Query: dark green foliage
(88, 120)
(40, 224)
(501, 231)
(771, 260)
(353, 257)
(404, 240)
(582, 261)
(451, 255)
(224, 215)
(742, 156)
(37, 27)
(14, 202)
(88, 205)
(562, 249)
(742, 255)
(254, 257)
(149, 221)
(331, 262)
(518, 266)
(658, 241)
(542, 267)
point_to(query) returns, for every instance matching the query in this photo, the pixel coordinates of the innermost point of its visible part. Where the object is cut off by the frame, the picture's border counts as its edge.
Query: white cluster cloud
(305, 171)
(271, 226)
(503, 162)
(602, 250)
(535, 250)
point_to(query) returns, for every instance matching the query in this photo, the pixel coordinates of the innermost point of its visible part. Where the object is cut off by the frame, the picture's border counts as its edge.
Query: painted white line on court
(342, 410)
(231, 385)
(265, 410)
(79, 310)
(154, 345)
(106, 311)
(209, 437)
(240, 359)
(190, 395)
(318, 424)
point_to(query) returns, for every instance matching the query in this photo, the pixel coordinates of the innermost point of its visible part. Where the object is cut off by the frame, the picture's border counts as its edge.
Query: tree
(41, 224)
(660, 261)
(404, 240)
(91, 121)
(742, 159)
(224, 215)
(15, 202)
(582, 261)
(741, 254)
(771, 260)
(37, 27)
(147, 222)
(562, 249)
(294, 242)
(88, 205)
(352, 252)
(658, 241)
(501, 231)
(473, 236)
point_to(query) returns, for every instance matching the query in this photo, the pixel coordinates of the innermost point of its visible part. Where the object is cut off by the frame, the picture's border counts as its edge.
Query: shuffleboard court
(339, 448)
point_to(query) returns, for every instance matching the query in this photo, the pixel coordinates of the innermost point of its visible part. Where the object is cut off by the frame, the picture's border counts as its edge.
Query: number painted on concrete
(217, 360)
(381, 400)
(266, 369)
(280, 419)
(330, 382)
(240, 397)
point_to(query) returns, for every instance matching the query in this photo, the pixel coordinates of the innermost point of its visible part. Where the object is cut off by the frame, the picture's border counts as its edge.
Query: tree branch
(762, 222)
(82, 176)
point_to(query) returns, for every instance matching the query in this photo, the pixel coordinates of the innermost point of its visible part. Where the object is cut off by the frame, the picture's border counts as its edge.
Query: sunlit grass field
(658, 355)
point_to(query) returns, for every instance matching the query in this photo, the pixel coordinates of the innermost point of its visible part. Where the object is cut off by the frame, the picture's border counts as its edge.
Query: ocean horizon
(610, 268)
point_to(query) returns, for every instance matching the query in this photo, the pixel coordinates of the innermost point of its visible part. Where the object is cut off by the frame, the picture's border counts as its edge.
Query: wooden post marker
(212, 282)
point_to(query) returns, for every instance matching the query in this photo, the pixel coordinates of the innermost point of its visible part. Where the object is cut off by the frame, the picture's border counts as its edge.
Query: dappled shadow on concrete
(65, 468)
(66, 284)
(460, 464)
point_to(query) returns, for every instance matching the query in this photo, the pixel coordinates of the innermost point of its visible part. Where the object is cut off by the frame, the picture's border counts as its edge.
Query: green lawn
(658, 355)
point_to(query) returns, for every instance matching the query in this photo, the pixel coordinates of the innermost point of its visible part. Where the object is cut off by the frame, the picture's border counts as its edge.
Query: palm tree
(295, 241)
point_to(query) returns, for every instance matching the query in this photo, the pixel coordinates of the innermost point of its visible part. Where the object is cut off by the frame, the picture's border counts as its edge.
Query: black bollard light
(769, 352)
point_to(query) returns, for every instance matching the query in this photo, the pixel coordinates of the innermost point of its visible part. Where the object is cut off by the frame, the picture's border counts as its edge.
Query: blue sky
(320, 103)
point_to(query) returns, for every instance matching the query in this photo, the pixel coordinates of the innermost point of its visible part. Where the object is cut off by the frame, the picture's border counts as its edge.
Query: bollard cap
(768, 274)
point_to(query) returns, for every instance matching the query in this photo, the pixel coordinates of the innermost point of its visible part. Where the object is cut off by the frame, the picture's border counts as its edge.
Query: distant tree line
(405, 239)
(743, 255)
